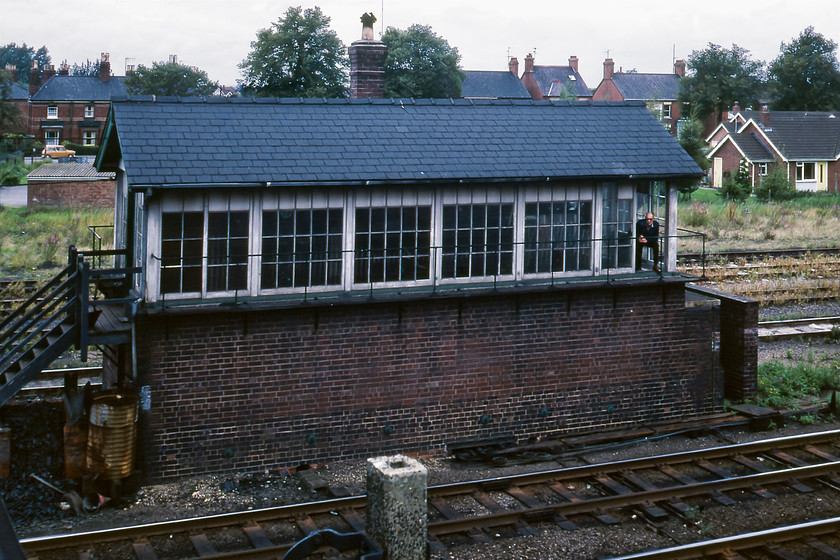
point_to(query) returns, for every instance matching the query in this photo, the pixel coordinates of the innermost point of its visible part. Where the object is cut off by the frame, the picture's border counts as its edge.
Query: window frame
(802, 168)
(52, 112)
(89, 138)
(90, 111)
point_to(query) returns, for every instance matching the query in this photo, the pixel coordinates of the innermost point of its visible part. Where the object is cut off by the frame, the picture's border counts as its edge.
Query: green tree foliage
(169, 78)
(736, 187)
(21, 57)
(10, 117)
(717, 77)
(775, 185)
(298, 56)
(421, 64)
(88, 68)
(691, 139)
(806, 75)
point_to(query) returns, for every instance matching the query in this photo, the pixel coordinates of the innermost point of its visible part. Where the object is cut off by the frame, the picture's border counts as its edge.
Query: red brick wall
(248, 391)
(78, 194)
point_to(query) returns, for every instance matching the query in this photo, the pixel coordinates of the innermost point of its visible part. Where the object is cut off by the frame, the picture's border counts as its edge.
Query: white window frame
(89, 111)
(666, 110)
(52, 137)
(762, 169)
(52, 112)
(89, 138)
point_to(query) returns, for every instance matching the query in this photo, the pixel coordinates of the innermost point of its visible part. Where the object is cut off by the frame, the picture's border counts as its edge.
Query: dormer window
(52, 112)
(88, 111)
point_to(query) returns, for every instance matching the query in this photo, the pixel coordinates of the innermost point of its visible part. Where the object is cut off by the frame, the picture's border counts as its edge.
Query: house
(64, 185)
(552, 82)
(493, 84)
(659, 91)
(73, 108)
(805, 143)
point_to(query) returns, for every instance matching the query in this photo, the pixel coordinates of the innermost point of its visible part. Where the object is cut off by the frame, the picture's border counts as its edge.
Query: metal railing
(611, 251)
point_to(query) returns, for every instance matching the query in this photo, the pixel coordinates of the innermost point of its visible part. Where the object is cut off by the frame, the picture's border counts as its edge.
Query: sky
(216, 35)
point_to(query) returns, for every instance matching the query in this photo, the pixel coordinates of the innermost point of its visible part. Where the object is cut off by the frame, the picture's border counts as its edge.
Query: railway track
(627, 491)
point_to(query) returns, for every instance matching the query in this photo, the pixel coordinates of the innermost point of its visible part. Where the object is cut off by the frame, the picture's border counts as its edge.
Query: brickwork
(71, 114)
(249, 391)
(77, 194)
(739, 347)
(367, 69)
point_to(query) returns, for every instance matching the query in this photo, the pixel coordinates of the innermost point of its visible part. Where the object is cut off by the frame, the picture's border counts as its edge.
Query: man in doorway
(647, 235)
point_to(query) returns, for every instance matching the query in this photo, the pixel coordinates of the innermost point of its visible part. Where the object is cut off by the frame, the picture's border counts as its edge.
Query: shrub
(80, 149)
(775, 186)
(733, 189)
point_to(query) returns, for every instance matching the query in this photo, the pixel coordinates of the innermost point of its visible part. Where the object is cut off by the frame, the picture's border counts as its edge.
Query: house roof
(548, 77)
(18, 92)
(272, 142)
(69, 171)
(493, 84)
(80, 88)
(647, 87)
(796, 135)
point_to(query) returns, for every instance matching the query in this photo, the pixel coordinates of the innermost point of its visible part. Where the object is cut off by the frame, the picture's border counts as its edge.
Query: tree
(10, 118)
(21, 57)
(718, 77)
(775, 185)
(421, 64)
(806, 75)
(298, 56)
(169, 78)
(87, 69)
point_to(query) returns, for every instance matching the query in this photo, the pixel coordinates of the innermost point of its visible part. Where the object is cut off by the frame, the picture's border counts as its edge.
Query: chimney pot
(367, 63)
(513, 65)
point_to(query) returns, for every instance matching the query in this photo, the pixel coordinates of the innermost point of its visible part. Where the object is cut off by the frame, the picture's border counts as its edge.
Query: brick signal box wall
(263, 389)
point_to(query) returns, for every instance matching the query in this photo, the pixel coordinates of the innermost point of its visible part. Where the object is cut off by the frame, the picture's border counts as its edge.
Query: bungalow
(805, 143)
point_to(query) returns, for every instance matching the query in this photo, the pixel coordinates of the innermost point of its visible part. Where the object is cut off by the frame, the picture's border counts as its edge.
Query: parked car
(56, 152)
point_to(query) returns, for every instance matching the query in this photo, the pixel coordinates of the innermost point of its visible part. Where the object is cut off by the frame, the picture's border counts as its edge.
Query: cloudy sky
(216, 35)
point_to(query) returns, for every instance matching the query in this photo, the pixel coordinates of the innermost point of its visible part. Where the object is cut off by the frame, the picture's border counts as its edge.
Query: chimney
(64, 69)
(34, 78)
(764, 116)
(679, 68)
(736, 108)
(513, 65)
(367, 63)
(609, 68)
(105, 67)
(12, 70)
(529, 63)
(49, 72)
(573, 63)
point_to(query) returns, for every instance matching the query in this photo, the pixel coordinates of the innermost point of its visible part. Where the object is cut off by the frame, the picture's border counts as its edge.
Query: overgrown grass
(14, 171)
(782, 385)
(806, 221)
(34, 243)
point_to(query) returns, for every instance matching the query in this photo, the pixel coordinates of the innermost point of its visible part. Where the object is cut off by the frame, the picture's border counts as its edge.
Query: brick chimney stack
(513, 65)
(64, 69)
(34, 78)
(573, 63)
(12, 70)
(105, 67)
(679, 68)
(529, 63)
(609, 69)
(367, 63)
(49, 72)
(736, 108)
(764, 116)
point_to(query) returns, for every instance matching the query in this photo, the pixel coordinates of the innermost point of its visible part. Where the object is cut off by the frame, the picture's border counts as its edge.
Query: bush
(775, 186)
(733, 189)
(80, 149)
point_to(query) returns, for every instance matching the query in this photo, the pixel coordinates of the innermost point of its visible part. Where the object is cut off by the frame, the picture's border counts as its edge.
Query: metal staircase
(61, 314)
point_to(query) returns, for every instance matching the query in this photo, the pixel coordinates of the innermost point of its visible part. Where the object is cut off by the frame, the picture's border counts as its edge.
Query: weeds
(782, 386)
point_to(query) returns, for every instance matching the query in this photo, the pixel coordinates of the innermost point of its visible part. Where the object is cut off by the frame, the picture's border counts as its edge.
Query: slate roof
(80, 88)
(69, 171)
(493, 84)
(797, 135)
(273, 142)
(647, 87)
(18, 92)
(546, 76)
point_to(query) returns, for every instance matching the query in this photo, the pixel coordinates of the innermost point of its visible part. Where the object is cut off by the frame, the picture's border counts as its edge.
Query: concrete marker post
(396, 517)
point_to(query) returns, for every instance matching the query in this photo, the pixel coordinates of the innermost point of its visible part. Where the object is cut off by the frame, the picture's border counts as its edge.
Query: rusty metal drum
(112, 435)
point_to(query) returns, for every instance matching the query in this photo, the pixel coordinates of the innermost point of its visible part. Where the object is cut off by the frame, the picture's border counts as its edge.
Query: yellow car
(56, 152)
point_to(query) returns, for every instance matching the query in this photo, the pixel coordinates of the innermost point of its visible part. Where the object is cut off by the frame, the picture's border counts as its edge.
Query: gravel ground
(219, 494)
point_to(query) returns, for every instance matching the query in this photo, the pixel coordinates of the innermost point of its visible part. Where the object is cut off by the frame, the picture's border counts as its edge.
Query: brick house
(658, 91)
(74, 108)
(552, 82)
(805, 143)
(77, 185)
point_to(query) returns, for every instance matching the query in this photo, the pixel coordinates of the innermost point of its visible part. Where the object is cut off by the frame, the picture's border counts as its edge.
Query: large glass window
(182, 239)
(558, 236)
(616, 228)
(301, 248)
(806, 171)
(227, 251)
(392, 244)
(477, 240)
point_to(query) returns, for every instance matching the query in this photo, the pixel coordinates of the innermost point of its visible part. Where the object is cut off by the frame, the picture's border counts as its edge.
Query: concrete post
(396, 506)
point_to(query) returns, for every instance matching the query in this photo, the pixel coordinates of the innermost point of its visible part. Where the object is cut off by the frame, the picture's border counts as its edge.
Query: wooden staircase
(61, 314)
